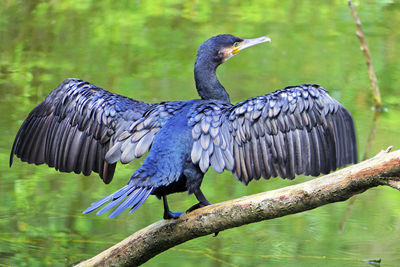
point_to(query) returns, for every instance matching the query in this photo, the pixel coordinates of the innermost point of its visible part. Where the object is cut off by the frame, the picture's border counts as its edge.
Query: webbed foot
(202, 200)
(171, 215)
(167, 213)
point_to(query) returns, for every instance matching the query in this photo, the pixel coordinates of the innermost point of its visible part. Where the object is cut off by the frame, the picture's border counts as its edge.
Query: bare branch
(339, 186)
(377, 100)
(394, 184)
(365, 49)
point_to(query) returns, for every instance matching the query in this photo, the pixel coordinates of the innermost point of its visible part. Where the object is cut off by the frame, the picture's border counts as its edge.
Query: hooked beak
(251, 42)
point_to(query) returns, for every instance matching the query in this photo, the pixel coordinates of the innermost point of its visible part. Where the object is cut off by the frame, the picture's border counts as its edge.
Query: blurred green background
(146, 50)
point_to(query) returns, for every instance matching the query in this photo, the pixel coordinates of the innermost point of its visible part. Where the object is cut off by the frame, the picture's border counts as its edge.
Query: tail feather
(135, 207)
(129, 195)
(102, 201)
(115, 201)
(131, 201)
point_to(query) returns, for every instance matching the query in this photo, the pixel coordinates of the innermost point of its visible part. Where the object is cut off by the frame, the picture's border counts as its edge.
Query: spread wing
(73, 128)
(296, 130)
(212, 136)
(137, 139)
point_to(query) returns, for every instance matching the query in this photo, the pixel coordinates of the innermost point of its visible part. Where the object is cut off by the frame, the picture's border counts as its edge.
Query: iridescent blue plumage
(82, 128)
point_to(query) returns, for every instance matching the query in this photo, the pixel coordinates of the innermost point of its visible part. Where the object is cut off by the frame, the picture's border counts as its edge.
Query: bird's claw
(197, 206)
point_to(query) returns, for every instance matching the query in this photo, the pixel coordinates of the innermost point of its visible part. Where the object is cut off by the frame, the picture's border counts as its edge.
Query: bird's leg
(202, 203)
(202, 200)
(167, 213)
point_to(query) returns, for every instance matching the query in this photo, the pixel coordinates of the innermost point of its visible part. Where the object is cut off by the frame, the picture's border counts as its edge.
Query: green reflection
(146, 50)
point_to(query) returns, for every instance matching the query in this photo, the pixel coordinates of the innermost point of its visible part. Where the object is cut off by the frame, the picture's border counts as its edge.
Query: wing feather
(296, 130)
(138, 137)
(73, 127)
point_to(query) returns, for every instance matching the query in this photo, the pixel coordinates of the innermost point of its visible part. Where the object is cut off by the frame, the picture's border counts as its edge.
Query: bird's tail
(132, 195)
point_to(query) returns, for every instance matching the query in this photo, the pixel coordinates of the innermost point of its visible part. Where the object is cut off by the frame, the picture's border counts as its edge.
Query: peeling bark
(383, 169)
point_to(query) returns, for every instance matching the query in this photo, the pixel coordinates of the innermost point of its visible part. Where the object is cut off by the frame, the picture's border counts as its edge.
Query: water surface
(146, 50)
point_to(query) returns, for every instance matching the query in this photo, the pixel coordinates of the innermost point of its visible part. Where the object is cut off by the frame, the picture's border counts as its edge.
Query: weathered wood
(384, 169)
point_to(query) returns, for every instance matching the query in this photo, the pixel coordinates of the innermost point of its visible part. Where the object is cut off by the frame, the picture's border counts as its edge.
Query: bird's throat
(207, 83)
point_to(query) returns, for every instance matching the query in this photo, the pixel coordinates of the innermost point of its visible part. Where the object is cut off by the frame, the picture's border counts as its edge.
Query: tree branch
(364, 47)
(383, 169)
(372, 77)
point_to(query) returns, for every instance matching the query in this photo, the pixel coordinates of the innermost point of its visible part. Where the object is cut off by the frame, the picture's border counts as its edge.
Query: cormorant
(82, 128)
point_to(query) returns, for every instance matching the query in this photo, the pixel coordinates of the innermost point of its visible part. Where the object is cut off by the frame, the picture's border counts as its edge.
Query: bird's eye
(236, 44)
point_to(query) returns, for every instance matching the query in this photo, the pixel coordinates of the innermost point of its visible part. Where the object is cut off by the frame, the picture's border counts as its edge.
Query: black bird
(82, 128)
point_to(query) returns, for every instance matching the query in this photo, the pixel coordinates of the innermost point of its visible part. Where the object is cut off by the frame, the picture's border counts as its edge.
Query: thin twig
(377, 101)
(364, 47)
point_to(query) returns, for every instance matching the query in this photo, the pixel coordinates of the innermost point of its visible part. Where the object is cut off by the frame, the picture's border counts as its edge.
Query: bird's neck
(207, 83)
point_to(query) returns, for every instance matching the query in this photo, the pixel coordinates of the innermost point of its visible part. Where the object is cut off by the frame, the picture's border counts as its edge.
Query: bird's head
(210, 55)
(222, 47)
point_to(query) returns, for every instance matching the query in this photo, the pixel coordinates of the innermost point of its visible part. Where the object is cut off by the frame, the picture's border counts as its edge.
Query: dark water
(145, 50)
